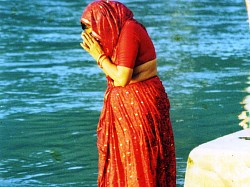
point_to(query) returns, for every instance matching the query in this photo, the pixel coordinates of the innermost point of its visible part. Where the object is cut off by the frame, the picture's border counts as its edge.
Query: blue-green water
(51, 91)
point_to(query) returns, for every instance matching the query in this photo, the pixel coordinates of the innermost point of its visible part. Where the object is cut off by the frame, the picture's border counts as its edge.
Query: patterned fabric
(135, 138)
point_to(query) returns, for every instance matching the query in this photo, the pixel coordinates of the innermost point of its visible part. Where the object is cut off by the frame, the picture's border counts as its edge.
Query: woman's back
(134, 46)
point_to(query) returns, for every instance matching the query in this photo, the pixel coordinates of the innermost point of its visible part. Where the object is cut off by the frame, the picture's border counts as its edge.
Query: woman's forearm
(120, 75)
(123, 76)
(109, 69)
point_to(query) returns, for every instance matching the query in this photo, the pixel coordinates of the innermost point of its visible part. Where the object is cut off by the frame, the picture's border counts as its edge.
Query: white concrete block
(223, 162)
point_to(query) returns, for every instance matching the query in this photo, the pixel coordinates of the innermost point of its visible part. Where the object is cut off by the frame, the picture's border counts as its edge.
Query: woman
(135, 139)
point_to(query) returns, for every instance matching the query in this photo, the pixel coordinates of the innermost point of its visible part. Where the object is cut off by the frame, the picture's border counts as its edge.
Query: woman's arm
(121, 75)
(129, 76)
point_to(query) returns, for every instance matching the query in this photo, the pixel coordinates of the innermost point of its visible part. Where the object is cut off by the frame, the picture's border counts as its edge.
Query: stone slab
(223, 162)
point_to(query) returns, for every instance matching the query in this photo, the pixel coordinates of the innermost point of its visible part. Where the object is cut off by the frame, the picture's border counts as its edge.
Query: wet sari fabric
(134, 135)
(135, 138)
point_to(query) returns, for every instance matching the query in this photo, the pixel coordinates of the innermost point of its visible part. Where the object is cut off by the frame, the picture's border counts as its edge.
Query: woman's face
(87, 29)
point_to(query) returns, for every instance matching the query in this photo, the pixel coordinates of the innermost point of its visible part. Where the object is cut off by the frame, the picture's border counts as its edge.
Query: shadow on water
(51, 92)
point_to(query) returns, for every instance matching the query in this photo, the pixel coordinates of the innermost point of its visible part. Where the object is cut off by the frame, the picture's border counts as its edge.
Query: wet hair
(83, 26)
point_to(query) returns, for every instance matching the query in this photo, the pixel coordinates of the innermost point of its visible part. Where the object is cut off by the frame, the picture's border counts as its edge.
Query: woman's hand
(121, 75)
(91, 45)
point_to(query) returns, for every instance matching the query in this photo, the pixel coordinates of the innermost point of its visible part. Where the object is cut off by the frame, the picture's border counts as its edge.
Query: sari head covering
(106, 18)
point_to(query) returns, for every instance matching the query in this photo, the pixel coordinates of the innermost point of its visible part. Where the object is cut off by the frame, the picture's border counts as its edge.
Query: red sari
(135, 139)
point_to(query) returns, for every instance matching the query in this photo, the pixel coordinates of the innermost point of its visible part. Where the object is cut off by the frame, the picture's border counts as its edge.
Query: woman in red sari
(134, 135)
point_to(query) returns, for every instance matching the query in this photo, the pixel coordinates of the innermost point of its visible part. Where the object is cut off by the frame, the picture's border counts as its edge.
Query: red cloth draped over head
(106, 18)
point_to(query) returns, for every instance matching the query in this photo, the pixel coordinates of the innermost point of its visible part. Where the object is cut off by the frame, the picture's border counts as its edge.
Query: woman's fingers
(87, 41)
(87, 38)
(91, 45)
(85, 47)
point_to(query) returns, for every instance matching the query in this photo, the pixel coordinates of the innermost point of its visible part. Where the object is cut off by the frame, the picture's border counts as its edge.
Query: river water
(51, 91)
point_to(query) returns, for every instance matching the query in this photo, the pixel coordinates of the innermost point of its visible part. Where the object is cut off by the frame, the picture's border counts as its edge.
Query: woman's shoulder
(133, 27)
(133, 24)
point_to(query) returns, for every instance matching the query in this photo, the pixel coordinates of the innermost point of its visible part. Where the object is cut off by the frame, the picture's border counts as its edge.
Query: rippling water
(51, 90)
